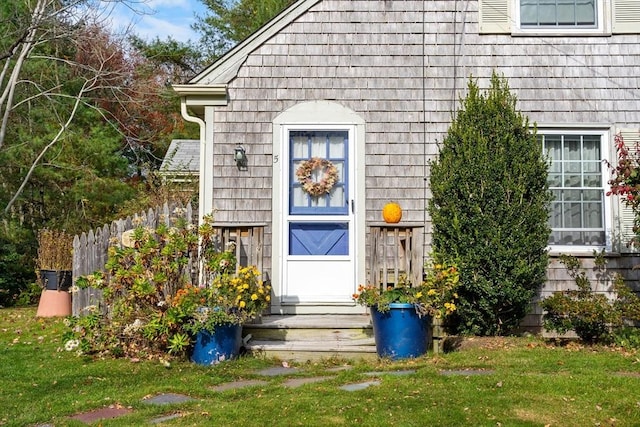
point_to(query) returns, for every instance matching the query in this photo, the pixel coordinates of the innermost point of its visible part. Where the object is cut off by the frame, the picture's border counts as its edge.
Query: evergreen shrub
(489, 210)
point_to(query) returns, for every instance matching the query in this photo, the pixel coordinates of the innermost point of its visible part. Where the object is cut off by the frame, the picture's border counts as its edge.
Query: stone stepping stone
(340, 369)
(391, 373)
(277, 371)
(297, 382)
(165, 418)
(101, 414)
(167, 399)
(466, 372)
(238, 384)
(359, 386)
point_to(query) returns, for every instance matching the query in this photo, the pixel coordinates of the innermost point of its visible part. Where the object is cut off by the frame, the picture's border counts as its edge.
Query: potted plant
(213, 315)
(152, 306)
(402, 314)
(54, 268)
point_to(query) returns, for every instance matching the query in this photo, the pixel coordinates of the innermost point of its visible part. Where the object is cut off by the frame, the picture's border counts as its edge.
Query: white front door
(318, 229)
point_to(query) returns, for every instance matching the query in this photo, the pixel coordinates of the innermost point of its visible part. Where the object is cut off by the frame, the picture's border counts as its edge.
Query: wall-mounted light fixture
(240, 156)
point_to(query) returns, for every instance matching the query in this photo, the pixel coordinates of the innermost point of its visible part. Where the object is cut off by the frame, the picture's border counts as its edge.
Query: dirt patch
(454, 343)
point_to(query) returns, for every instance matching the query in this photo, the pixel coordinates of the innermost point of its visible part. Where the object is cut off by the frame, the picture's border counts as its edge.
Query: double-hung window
(577, 181)
(559, 14)
(558, 17)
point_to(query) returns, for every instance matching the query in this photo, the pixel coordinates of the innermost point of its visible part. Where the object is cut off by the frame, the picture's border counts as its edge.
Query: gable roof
(226, 67)
(182, 158)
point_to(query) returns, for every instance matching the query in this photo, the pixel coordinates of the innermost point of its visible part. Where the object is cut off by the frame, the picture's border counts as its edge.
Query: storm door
(318, 250)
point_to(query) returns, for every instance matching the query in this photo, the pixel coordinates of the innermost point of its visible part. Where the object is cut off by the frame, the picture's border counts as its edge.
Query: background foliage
(489, 210)
(89, 116)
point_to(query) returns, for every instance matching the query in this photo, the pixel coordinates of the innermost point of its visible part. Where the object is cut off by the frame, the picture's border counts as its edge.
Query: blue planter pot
(223, 344)
(400, 333)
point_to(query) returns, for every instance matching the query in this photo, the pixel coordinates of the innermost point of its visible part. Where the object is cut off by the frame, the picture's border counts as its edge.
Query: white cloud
(158, 18)
(169, 3)
(151, 27)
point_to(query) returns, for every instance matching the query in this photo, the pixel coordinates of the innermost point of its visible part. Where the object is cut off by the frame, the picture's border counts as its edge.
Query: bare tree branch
(78, 101)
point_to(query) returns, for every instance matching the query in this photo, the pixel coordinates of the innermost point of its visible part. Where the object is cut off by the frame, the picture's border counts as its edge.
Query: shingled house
(369, 87)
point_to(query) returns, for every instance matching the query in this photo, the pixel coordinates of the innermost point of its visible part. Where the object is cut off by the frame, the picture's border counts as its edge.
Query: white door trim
(316, 115)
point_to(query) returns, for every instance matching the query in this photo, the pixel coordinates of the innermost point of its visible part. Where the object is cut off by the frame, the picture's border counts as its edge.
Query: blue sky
(162, 18)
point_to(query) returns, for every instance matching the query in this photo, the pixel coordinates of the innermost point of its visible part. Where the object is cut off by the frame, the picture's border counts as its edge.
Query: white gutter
(202, 172)
(202, 99)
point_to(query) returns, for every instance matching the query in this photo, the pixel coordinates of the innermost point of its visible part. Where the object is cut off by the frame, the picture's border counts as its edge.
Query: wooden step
(303, 351)
(311, 337)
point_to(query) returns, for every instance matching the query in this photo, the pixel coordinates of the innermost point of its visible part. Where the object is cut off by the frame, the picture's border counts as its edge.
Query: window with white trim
(577, 181)
(559, 13)
(539, 17)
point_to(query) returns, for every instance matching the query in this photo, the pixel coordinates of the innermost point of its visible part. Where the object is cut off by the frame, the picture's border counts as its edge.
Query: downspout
(202, 176)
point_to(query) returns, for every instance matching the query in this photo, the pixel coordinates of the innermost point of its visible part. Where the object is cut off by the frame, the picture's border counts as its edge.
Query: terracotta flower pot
(54, 304)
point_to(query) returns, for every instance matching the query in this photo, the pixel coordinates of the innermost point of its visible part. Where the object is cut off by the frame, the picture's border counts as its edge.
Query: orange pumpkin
(392, 213)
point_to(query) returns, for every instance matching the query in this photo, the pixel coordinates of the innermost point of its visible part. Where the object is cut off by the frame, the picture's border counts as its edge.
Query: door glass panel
(300, 146)
(336, 146)
(338, 197)
(312, 192)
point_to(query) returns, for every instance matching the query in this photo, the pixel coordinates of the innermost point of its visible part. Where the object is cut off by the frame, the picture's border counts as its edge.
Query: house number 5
(276, 158)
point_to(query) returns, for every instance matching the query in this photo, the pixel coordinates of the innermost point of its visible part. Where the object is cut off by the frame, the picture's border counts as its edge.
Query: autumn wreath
(325, 184)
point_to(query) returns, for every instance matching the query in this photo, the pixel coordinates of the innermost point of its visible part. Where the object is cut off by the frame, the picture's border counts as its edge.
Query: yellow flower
(431, 292)
(419, 295)
(242, 304)
(267, 298)
(254, 297)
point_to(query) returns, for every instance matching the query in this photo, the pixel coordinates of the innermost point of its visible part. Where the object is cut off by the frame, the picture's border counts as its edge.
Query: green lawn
(528, 383)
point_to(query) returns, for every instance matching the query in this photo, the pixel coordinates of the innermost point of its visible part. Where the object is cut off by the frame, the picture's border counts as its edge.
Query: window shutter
(625, 217)
(495, 16)
(626, 16)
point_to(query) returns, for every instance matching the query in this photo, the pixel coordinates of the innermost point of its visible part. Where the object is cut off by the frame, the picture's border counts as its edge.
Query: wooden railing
(395, 250)
(248, 239)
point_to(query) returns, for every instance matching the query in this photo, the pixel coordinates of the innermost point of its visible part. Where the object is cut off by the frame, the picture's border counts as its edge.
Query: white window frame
(600, 28)
(606, 153)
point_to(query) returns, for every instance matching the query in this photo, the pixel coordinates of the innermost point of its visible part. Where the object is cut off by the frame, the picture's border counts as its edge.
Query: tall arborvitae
(490, 210)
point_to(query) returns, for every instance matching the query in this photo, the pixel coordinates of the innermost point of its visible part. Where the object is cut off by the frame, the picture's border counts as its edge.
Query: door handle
(353, 207)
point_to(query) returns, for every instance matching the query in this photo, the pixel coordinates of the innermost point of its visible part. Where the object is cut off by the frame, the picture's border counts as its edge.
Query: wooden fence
(90, 249)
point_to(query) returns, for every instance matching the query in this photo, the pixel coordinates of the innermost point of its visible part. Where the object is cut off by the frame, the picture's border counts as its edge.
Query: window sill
(580, 252)
(559, 34)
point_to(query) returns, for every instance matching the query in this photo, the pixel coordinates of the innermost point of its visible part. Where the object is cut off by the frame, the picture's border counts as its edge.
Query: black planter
(56, 280)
